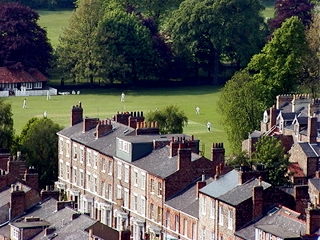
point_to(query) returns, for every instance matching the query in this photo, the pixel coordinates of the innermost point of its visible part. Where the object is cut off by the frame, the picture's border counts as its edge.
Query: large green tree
(279, 65)
(6, 125)
(270, 153)
(123, 38)
(241, 107)
(78, 46)
(39, 144)
(171, 119)
(209, 30)
(22, 40)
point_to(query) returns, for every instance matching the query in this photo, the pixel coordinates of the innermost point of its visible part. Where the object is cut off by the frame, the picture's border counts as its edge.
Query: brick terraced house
(121, 170)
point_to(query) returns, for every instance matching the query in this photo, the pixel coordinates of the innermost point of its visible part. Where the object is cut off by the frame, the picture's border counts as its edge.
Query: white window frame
(88, 181)
(95, 183)
(126, 198)
(37, 85)
(95, 160)
(81, 154)
(119, 170)
(109, 191)
(110, 167)
(143, 180)
(135, 202)
(119, 192)
(185, 227)
(68, 171)
(203, 205)
(103, 188)
(74, 152)
(81, 178)
(143, 206)
(126, 173)
(61, 168)
(103, 165)
(68, 146)
(88, 157)
(212, 209)
(124, 146)
(220, 215)
(61, 145)
(135, 177)
(74, 175)
(230, 219)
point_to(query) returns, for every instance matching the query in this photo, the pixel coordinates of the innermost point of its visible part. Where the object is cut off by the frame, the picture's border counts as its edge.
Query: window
(61, 168)
(88, 181)
(176, 223)
(88, 158)
(15, 233)
(151, 210)
(61, 145)
(160, 188)
(28, 85)
(152, 186)
(68, 171)
(221, 215)
(203, 233)
(119, 192)
(37, 85)
(203, 205)
(126, 173)
(135, 202)
(109, 192)
(212, 209)
(81, 178)
(103, 188)
(159, 215)
(103, 165)
(194, 231)
(95, 179)
(220, 237)
(95, 160)
(168, 219)
(143, 181)
(74, 151)
(258, 234)
(185, 225)
(212, 236)
(119, 170)
(135, 178)
(68, 149)
(143, 206)
(81, 154)
(74, 175)
(124, 146)
(126, 198)
(110, 164)
(230, 219)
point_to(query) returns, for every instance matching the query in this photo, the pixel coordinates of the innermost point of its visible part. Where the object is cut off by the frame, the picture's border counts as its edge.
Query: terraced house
(122, 171)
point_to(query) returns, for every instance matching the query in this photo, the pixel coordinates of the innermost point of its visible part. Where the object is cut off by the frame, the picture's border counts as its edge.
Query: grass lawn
(54, 22)
(104, 103)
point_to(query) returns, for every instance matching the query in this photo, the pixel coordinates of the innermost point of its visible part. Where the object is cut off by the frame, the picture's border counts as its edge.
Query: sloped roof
(280, 221)
(296, 169)
(315, 182)
(21, 76)
(186, 200)
(311, 150)
(105, 144)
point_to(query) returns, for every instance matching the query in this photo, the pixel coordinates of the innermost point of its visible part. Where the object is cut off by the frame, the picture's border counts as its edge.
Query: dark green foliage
(170, 119)
(270, 153)
(239, 159)
(22, 40)
(39, 145)
(6, 125)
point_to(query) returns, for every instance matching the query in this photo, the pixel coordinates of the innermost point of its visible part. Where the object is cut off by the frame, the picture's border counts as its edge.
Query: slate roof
(311, 150)
(228, 190)
(105, 144)
(279, 221)
(21, 76)
(255, 134)
(5, 195)
(315, 182)
(159, 163)
(186, 200)
(222, 185)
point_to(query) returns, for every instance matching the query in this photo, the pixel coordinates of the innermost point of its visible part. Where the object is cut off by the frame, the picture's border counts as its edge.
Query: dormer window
(265, 117)
(296, 129)
(281, 125)
(124, 146)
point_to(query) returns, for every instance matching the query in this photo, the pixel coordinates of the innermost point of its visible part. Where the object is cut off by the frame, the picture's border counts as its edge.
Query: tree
(279, 65)
(170, 119)
(78, 45)
(208, 30)
(123, 37)
(39, 144)
(285, 9)
(239, 159)
(270, 153)
(310, 81)
(241, 107)
(22, 40)
(6, 125)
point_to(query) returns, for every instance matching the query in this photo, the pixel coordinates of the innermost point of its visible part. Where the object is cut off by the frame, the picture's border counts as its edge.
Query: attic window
(124, 146)
(273, 210)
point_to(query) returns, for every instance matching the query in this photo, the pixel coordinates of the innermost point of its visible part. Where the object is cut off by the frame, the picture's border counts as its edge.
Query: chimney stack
(200, 185)
(313, 220)
(217, 153)
(257, 200)
(89, 123)
(31, 177)
(103, 127)
(312, 129)
(273, 117)
(76, 114)
(18, 201)
(184, 157)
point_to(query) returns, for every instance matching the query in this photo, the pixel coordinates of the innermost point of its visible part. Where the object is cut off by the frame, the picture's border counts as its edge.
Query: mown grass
(104, 103)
